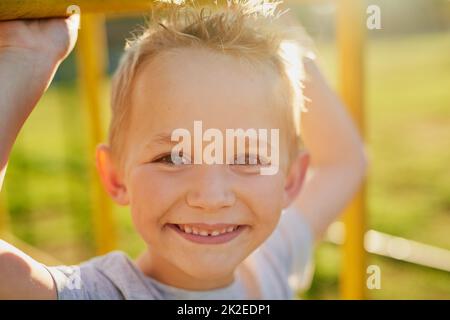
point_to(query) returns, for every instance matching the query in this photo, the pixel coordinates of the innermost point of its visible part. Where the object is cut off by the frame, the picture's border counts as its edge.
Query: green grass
(407, 119)
(408, 133)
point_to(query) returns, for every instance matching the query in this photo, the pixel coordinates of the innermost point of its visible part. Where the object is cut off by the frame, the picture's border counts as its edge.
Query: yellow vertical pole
(91, 54)
(350, 38)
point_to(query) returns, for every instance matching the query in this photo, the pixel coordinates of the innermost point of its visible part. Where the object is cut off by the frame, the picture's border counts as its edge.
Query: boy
(214, 230)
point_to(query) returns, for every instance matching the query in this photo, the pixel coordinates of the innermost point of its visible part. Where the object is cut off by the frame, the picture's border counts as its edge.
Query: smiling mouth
(208, 234)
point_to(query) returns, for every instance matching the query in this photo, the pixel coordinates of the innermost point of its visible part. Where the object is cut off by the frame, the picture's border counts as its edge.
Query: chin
(206, 270)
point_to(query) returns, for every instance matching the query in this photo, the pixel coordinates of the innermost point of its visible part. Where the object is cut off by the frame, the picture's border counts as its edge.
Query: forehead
(180, 86)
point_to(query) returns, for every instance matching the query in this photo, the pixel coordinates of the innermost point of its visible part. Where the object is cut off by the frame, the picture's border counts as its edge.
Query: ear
(109, 175)
(295, 178)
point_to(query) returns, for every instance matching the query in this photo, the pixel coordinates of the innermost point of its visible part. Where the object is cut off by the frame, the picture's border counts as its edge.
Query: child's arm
(22, 277)
(30, 53)
(338, 160)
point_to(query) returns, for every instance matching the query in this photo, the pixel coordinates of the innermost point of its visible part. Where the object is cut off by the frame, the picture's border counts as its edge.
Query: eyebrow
(166, 138)
(162, 138)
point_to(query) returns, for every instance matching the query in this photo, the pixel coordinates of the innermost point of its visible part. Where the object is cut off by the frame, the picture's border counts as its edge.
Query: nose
(211, 189)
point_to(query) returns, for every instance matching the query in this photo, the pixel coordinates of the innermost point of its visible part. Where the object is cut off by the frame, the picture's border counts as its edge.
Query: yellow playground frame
(91, 55)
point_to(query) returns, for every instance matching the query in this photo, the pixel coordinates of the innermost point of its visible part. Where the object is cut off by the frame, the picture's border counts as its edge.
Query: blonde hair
(244, 28)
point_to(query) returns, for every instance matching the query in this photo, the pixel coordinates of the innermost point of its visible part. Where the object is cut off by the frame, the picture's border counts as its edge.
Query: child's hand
(30, 52)
(54, 38)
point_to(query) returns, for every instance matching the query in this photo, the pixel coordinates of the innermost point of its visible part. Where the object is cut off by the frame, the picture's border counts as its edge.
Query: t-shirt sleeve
(290, 249)
(82, 282)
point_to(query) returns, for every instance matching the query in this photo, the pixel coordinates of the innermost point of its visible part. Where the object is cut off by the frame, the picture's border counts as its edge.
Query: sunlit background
(407, 131)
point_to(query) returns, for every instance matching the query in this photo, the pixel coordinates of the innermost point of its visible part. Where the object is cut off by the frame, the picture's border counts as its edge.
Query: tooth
(194, 230)
(230, 229)
(215, 233)
(203, 233)
(223, 230)
(187, 229)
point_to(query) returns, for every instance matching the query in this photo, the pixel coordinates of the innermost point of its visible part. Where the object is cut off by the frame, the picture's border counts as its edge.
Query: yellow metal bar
(32, 9)
(350, 37)
(91, 54)
(15, 9)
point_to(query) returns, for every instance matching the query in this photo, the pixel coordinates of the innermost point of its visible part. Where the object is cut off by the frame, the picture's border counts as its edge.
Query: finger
(74, 21)
(73, 24)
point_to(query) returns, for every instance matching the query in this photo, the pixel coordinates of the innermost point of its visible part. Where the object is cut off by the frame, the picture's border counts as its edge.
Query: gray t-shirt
(280, 267)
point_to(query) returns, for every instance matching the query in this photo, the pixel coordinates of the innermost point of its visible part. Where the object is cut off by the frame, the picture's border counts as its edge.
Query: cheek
(264, 196)
(151, 196)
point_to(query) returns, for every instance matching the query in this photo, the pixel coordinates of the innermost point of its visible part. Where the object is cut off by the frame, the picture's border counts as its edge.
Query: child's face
(171, 92)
